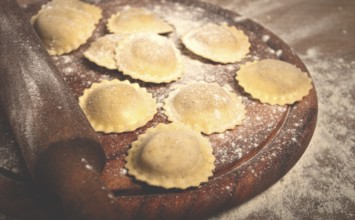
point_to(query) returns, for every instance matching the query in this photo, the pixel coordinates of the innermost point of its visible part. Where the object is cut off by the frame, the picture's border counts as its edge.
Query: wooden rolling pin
(61, 150)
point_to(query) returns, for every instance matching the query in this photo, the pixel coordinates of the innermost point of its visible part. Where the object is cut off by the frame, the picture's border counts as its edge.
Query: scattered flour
(307, 190)
(331, 152)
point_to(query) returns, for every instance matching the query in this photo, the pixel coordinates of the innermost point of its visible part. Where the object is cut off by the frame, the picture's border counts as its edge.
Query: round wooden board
(249, 158)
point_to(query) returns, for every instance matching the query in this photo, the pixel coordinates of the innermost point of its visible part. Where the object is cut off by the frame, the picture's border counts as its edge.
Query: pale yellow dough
(206, 107)
(64, 25)
(117, 106)
(102, 50)
(171, 156)
(92, 10)
(219, 43)
(135, 20)
(149, 57)
(274, 82)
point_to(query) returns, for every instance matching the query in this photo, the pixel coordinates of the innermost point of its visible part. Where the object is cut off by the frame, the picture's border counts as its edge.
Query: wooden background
(321, 185)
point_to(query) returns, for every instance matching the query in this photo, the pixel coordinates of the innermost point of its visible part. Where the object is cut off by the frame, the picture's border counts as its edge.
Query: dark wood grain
(263, 160)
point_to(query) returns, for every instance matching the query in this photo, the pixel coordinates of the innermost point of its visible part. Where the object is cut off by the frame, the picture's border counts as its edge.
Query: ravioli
(117, 106)
(171, 156)
(219, 43)
(149, 57)
(274, 82)
(135, 20)
(92, 10)
(102, 50)
(64, 25)
(206, 107)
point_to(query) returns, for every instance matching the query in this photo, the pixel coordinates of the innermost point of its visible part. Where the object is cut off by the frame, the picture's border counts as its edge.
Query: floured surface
(321, 185)
(10, 155)
(231, 148)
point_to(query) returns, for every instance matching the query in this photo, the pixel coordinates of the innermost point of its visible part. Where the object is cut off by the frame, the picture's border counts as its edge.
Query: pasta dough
(93, 11)
(135, 20)
(117, 106)
(171, 156)
(274, 82)
(64, 25)
(206, 107)
(149, 57)
(219, 43)
(102, 50)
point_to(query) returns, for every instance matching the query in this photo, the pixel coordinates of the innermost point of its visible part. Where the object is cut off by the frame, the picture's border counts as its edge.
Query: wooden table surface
(321, 185)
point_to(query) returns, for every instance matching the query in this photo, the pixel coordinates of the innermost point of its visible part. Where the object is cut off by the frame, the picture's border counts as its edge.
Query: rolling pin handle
(60, 148)
(70, 170)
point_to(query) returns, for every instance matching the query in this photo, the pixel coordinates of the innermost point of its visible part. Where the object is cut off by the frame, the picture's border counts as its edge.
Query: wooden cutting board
(249, 158)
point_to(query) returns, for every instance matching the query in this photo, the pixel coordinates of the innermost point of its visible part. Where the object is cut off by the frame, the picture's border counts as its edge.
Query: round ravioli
(219, 43)
(135, 20)
(93, 11)
(102, 50)
(206, 107)
(117, 106)
(149, 57)
(65, 25)
(274, 82)
(171, 156)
